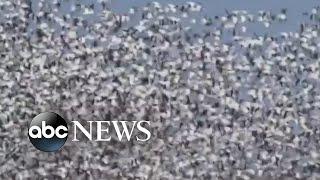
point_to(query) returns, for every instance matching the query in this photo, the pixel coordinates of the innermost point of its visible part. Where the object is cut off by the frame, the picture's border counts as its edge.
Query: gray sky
(217, 7)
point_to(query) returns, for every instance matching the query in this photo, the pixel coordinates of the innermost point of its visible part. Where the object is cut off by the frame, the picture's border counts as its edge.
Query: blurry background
(296, 9)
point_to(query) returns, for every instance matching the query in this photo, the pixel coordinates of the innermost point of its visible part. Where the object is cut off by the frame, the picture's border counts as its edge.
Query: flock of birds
(224, 103)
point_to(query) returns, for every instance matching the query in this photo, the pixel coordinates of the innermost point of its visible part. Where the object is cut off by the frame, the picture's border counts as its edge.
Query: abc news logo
(48, 131)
